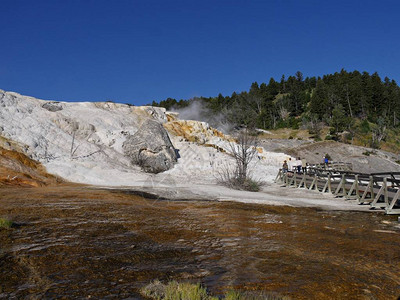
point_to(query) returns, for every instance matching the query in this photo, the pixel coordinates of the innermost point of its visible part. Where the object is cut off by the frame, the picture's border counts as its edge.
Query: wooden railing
(338, 166)
(379, 190)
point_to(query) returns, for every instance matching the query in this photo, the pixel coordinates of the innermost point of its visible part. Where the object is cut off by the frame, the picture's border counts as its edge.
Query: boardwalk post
(357, 188)
(316, 183)
(293, 180)
(368, 189)
(313, 182)
(278, 176)
(362, 199)
(305, 181)
(385, 192)
(389, 209)
(327, 186)
(372, 187)
(348, 196)
(290, 181)
(354, 188)
(341, 186)
(382, 191)
(302, 181)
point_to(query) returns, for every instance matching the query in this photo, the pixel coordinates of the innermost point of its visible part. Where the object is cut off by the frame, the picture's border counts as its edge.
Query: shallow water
(78, 243)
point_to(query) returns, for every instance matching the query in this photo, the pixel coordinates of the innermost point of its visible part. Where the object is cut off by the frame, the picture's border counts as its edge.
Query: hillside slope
(16, 169)
(363, 159)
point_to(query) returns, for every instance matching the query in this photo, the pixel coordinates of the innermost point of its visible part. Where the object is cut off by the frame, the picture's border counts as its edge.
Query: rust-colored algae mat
(76, 242)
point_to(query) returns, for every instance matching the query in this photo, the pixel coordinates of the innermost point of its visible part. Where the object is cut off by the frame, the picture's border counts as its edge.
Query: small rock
(52, 106)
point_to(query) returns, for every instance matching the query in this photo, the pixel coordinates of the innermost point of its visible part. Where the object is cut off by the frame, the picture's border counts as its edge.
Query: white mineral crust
(82, 142)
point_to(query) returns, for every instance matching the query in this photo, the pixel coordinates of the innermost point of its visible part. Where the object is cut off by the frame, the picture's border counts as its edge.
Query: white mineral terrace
(82, 142)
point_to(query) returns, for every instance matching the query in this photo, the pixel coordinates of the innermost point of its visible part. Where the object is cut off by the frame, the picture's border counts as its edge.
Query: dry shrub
(243, 151)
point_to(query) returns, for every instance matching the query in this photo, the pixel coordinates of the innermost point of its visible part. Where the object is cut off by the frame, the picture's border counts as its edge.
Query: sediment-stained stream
(75, 242)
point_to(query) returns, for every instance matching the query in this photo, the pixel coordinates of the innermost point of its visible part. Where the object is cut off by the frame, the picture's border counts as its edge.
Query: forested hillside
(351, 103)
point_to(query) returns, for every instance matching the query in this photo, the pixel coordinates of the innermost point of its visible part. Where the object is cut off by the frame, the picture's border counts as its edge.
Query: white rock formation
(83, 142)
(151, 148)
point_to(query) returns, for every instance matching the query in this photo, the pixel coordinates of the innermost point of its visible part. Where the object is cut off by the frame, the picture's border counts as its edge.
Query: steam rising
(198, 111)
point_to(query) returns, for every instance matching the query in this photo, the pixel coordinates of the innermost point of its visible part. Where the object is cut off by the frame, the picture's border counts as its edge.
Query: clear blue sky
(138, 51)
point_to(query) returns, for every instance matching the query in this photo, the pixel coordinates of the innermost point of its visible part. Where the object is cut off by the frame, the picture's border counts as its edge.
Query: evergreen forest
(352, 104)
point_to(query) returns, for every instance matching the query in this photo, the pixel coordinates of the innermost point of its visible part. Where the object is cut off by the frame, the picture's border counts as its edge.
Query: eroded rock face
(151, 148)
(52, 106)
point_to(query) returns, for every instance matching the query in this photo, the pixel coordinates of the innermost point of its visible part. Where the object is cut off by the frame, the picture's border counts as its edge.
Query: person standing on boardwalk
(290, 165)
(285, 167)
(304, 165)
(326, 161)
(298, 165)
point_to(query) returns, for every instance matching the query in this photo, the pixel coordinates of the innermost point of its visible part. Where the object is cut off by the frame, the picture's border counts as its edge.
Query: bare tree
(243, 150)
(313, 125)
(283, 113)
(256, 103)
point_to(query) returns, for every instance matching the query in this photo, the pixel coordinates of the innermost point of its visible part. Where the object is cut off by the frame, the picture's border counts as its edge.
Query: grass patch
(194, 291)
(175, 291)
(5, 223)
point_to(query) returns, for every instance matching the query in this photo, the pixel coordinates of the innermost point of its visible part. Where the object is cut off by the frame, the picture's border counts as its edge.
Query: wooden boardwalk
(379, 190)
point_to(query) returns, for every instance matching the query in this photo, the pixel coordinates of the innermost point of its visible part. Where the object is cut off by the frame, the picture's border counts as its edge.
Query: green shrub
(368, 153)
(188, 291)
(364, 127)
(347, 137)
(294, 123)
(4, 223)
(374, 144)
(317, 138)
(175, 291)
(233, 295)
(183, 291)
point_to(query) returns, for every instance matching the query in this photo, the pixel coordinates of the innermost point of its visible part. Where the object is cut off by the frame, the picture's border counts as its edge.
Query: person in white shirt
(298, 165)
(290, 164)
